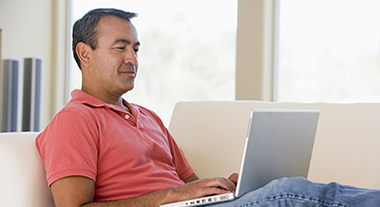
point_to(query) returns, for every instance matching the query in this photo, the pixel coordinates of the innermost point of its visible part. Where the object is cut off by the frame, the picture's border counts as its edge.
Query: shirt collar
(84, 98)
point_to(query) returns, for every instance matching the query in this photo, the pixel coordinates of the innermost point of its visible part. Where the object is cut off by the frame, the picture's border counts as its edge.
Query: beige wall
(35, 29)
(1, 97)
(255, 46)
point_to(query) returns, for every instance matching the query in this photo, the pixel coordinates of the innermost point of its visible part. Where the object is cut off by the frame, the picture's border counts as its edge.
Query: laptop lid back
(279, 143)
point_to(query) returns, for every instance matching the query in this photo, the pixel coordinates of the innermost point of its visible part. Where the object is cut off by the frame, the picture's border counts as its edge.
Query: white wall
(31, 29)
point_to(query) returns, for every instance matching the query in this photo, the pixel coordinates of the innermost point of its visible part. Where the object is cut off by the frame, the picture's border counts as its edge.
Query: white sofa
(211, 135)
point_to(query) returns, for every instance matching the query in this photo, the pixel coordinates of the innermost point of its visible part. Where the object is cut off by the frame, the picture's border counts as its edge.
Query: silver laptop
(279, 143)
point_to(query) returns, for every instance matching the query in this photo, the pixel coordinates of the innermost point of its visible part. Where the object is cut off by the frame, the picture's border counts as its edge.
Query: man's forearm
(152, 199)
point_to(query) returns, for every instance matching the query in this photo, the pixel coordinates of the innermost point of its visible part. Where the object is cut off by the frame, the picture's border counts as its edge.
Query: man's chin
(129, 88)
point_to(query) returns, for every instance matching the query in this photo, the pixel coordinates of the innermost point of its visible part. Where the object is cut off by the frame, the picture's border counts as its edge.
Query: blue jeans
(299, 192)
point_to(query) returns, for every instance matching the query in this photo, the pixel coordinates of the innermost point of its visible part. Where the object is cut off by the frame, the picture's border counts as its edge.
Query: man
(101, 150)
(100, 147)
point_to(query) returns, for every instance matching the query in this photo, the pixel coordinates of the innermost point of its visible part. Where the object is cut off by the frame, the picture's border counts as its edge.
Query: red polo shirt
(127, 155)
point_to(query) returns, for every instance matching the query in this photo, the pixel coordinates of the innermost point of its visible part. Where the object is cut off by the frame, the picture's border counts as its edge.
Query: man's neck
(108, 98)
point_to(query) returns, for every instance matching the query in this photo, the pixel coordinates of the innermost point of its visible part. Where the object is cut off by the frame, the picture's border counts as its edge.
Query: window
(329, 50)
(187, 50)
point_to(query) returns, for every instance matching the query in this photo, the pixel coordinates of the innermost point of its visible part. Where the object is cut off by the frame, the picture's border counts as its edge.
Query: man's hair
(84, 28)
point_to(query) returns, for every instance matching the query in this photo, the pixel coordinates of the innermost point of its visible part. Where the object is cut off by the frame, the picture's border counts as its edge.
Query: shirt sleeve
(184, 169)
(69, 147)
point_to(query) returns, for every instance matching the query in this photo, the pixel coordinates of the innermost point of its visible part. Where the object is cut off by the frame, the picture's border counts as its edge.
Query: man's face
(114, 63)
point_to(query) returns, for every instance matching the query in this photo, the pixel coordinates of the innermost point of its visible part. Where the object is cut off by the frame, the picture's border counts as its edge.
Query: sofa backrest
(346, 150)
(22, 173)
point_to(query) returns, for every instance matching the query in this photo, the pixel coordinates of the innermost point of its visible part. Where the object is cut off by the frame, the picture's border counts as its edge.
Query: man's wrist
(166, 196)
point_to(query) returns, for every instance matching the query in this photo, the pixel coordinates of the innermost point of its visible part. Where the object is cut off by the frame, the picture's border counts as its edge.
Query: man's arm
(77, 191)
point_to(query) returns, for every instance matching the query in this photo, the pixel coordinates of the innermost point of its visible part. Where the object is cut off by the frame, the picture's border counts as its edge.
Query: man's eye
(120, 48)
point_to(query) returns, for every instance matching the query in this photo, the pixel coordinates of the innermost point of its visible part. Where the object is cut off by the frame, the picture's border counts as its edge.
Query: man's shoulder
(77, 108)
(75, 113)
(73, 117)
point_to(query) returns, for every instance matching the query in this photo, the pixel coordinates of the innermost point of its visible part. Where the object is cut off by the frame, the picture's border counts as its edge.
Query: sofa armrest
(22, 174)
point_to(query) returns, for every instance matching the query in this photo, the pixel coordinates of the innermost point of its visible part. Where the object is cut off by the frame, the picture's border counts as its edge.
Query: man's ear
(83, 52)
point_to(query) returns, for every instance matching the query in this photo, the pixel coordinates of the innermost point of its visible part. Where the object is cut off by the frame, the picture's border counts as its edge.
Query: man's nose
(131, 57)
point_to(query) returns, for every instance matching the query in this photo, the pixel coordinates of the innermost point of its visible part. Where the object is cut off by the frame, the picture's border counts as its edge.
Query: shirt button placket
(129, 119)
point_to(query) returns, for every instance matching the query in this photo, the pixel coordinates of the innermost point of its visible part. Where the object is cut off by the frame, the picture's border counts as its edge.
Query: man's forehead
(117, 28)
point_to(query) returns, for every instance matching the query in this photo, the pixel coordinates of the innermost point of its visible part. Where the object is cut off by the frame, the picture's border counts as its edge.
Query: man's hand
(204, 187)
(234, 178)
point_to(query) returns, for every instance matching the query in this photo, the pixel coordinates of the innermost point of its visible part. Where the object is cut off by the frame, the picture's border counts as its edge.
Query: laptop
(279, 143)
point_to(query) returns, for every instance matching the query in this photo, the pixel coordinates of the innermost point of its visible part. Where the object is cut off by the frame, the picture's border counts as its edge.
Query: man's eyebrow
(127, 42)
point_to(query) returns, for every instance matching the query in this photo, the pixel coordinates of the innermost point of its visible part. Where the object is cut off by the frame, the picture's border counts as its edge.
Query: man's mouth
(128, 73)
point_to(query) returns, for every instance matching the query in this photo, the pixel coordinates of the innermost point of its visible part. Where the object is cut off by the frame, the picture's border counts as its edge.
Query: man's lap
(297, 192)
